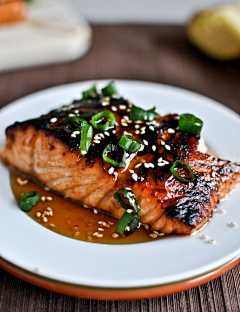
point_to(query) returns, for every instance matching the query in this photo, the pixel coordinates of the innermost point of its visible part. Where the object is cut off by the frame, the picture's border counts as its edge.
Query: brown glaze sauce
(72, 219)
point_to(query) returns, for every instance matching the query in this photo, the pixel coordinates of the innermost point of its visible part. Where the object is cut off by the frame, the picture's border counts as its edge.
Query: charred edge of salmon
(194, 207)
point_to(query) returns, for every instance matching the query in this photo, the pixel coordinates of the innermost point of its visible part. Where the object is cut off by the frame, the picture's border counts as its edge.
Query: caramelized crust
(49, 152)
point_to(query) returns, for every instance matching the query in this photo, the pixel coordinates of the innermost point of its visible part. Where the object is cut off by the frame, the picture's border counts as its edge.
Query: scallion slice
(190, 124)
(90, 93)
(109, 90)
(178, 176)
(105, 114)
(129, 144)
(28, 200)
(115, 150)
(130, 219)
(86, 137)
(129, 202)
(74, 122)
(138, 113)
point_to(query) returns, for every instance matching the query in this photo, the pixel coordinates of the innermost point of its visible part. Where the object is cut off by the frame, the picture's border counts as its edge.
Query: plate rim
(233, 114)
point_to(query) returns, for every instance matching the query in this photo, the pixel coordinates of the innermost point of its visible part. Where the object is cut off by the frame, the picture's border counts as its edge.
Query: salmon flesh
(48, 151)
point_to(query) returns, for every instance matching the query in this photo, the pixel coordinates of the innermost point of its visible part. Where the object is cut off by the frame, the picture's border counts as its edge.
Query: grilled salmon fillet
(48, 151)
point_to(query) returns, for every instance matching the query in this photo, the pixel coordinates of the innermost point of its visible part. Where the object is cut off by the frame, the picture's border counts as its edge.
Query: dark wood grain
(139, 52)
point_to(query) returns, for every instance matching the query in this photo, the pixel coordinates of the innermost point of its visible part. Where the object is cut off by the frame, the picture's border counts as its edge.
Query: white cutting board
(51, 33)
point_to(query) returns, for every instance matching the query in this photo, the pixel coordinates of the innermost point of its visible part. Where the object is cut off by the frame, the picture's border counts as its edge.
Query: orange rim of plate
(115, 293)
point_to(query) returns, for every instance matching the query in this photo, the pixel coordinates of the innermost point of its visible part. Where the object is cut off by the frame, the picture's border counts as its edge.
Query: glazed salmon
(49, 151)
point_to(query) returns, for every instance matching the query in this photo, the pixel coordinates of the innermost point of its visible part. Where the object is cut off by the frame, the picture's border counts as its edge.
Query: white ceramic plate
(30, 246)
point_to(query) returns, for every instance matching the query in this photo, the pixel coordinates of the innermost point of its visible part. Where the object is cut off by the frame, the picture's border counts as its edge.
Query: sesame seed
(151, 128)
(105, 103)
(95, 211)
(114, 131)
(145, 142)
(107, 133)
(129, 210)
(49, 198)
(138, 121)
(167, 147)
(170, 130)
(146, 165)
(154, 148)
(73, 135)
(51, 213)
(111, 170)
(95, 233)
(162, 143)
(160, 159)
(131, 171)
(165, 162)
(49, 208)
(84, 152)
(134, 176)
(46, 188)
(45, 219)
(110, 222)
(115, 235)
(76, 111)
(76, 132)
(205, 236)
(126, 117)
(116, 123)
(138, 165)
(151, 165)
(222, 210)
(128, 188)
(127, 228)
(71, 115)
(114, 108)
(100, 229)
(153, 235)
(43, 198)
(161, 164)
(53, 225)
(146, 226)
(101, 135)
(213, 174)
(137, 131)
(127, 133)
(141, 148)
(97, 141)
(20, 181)
(128, 110)
(76, 234)
(100, 235)
(97, 137)
(212, 241)
(124, 124)
(233, 224)
(54, 119)
(122, 107)
(38, 214)
(137, 126)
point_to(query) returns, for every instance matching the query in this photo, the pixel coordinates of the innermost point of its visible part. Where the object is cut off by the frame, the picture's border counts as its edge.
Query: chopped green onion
(74, 122)
(109, 90)
(178, 176)
(138, 113)
(86, 137)
(129, 144)
(130, 219)
(28, 200)
(90, 93)
(130, 198)
(116, 150)
(105, 114)
(190, 124)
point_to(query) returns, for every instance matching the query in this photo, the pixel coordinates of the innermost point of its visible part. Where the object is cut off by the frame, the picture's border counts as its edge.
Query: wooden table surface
(154, 53)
